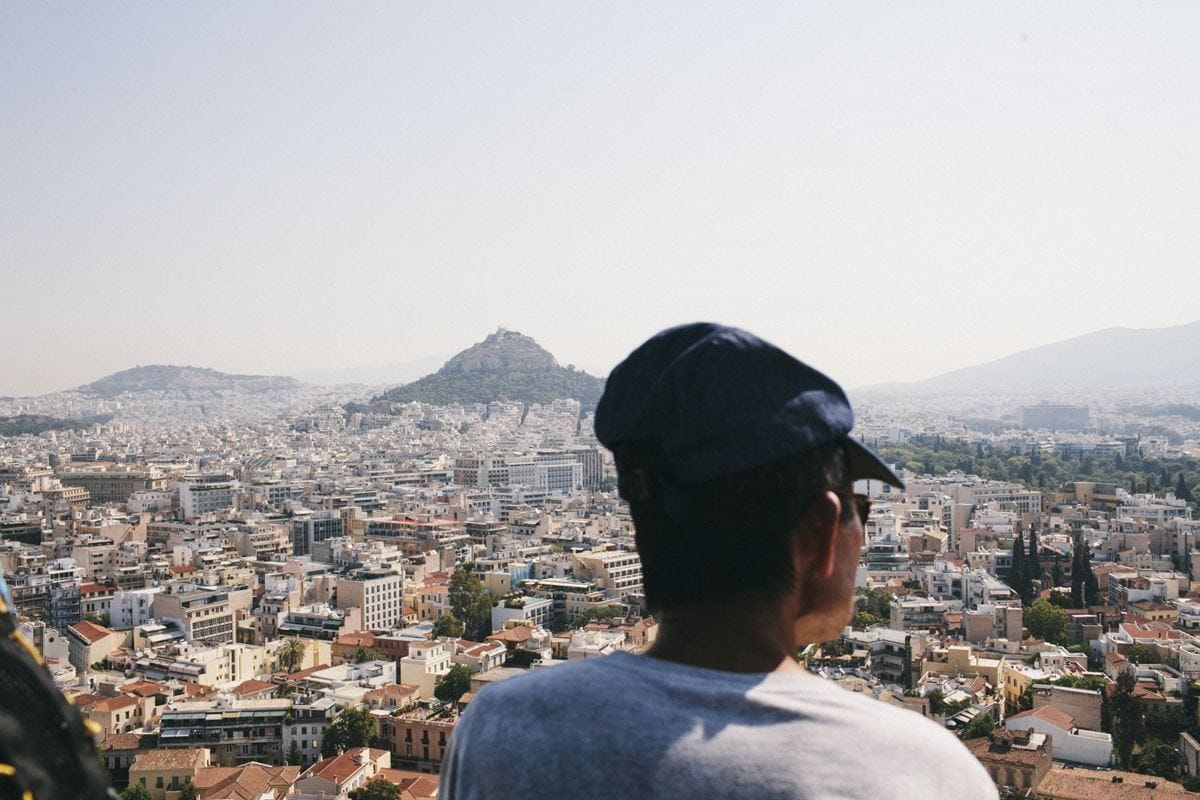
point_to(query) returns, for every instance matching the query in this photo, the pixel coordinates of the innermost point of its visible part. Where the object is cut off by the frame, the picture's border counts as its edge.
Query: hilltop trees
(1047, 470)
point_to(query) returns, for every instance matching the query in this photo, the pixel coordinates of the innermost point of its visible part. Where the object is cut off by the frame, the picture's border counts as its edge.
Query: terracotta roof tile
(122, 741)
(252, 686)
(115, 703)
(173, 758)
(247, 782)
(1056, 717)
(1086, 784)
(144, 688)
(90, 631)
(304, 673)
(340, 769)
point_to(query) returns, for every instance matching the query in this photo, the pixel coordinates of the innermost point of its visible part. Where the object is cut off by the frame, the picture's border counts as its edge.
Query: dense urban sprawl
(282, 595)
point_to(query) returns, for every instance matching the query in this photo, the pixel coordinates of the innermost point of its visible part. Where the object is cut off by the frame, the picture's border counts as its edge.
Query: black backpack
(46, 752)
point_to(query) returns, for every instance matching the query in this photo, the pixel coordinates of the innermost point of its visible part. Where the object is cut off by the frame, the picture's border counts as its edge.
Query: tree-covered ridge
(506, 366)
(34, 424)
(1047, 471)
(486, 387)
(167, 377)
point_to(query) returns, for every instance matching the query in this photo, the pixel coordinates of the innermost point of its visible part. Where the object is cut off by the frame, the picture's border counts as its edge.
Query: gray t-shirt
(637, 727)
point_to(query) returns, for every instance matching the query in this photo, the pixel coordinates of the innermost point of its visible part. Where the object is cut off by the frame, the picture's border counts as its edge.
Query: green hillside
(506, 366)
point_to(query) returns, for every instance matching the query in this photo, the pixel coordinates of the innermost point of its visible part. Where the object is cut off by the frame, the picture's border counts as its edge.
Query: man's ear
(816, 544)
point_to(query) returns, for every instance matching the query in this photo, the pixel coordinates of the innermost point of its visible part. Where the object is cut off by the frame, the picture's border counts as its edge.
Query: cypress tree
(1091, 586)
(1017, 577)
(1181, 489)
(1033, 566)
(1077, 578)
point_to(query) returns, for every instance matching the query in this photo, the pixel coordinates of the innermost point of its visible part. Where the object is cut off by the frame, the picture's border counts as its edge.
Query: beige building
(618, 572)
(164, 772)
(204, 614)
(378, 591)
(963, 660)
(88, 643)
(120, 714)
(113, 486)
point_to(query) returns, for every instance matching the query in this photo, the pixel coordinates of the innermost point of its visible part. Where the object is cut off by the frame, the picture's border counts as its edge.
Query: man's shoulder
(550, 680)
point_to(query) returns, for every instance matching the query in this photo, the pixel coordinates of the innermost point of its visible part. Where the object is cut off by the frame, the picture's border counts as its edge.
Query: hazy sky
(888, 190)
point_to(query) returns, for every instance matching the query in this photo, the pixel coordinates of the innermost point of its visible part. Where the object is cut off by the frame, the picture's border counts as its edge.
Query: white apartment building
(204, 614)
(424, 664)
(535, 610)
(1071, 743)
(618, 572)
(131, 608)
(980, 588)
(379, 592)
(206, 494)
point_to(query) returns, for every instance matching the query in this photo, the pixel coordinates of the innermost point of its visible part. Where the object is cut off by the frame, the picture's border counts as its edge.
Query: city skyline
(888, 193)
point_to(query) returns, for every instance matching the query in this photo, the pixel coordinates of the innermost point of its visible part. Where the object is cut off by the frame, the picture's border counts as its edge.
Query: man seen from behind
(737, 464)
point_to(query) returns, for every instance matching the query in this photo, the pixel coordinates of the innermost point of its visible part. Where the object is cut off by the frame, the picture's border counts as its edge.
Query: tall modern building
(378, 592)
(309, 527)
(203, 614)
(204, 494)
(1047, 416)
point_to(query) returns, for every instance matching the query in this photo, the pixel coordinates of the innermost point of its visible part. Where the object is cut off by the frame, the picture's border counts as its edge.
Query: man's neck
(759, 639)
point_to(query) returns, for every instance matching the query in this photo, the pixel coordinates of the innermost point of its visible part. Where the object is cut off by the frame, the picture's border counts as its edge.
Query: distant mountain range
(167, 377)
(505, 366)
(1113, 358)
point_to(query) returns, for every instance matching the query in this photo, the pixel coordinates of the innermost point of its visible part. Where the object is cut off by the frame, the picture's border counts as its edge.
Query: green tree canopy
(1091, 682)
(471, 604)
(291, 654)
(1128, 727)
(982, 725)
(454, 684)
(598, 614)
(1060, 599)
(1142, 654)
(135, 791)
(1047, 621)
(863, 620)
(189, 791)
(354, 727)
(362, 654)
(294, 757)
(447, 625)
(876, 602)
(378, 789)
(1158, 758)
(1017, 577)
(1034, 562)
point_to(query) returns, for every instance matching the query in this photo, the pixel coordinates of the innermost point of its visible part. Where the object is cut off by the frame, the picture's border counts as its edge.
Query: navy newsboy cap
(709, 400)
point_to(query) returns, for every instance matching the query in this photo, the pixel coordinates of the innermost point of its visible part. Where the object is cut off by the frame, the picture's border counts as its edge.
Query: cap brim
(865, 465)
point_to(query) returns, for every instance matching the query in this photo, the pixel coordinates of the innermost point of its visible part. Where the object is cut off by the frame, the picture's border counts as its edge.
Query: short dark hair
(729, 536)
